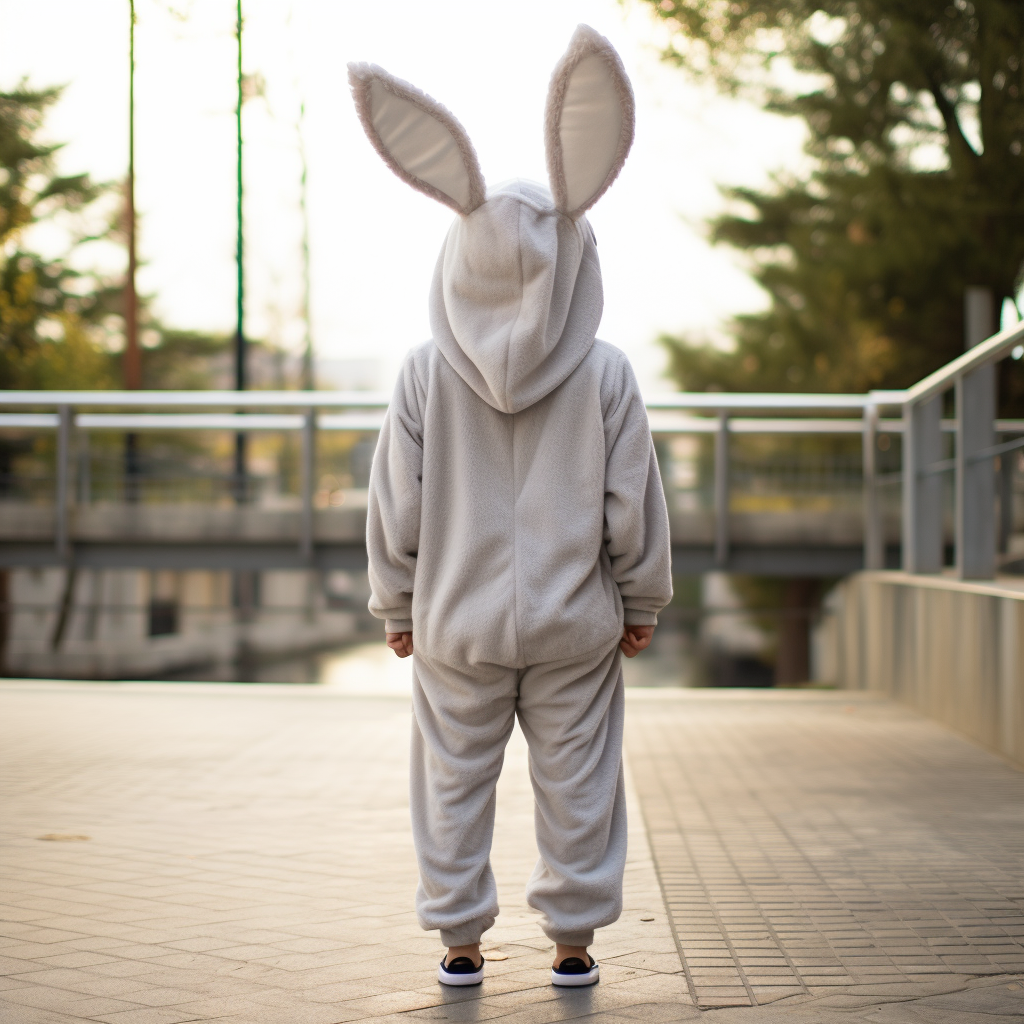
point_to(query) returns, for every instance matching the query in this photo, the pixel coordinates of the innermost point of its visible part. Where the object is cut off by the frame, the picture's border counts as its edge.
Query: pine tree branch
(961, 153)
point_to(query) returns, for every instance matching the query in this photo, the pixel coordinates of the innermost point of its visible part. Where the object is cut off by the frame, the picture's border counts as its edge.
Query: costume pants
(571, 713)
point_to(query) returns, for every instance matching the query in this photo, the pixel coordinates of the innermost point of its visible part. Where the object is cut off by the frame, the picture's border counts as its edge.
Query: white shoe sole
(575, 980)
(447, 978)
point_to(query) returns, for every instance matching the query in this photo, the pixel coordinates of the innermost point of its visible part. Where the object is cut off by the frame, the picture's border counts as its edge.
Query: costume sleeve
(635, 514)
(393, 506)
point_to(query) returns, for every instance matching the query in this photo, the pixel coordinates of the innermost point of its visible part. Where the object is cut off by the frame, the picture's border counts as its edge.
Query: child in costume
(517, 531)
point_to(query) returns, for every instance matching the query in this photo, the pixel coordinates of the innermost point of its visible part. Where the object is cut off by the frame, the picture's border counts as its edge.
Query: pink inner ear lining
(584, 43)
(361, 76)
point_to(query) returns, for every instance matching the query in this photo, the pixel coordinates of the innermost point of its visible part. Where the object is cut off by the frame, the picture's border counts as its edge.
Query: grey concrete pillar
(975, 478)
(979, 316)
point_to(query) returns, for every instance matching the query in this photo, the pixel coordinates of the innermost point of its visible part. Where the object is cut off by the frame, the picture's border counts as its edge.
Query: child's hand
(401, 643)
(634, 640)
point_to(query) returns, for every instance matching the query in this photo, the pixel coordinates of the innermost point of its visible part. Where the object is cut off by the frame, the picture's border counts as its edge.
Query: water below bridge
(674, 659)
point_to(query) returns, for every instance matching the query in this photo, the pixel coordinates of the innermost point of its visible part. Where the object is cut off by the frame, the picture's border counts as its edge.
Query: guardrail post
(975, 478)
(874, 542)
(61, 538)
(306, 484)
(84, 481)
(722, 490)
(1005, 500)
(922, 491)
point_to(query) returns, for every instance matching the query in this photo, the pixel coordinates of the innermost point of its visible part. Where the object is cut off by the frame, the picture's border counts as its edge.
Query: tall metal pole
(308, 380)
(132, 363)
(241, 381)
(243, 582)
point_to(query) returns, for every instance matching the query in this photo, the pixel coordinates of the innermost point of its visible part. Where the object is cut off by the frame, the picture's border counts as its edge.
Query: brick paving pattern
(827, 845)
(249, 861)
(177, 853)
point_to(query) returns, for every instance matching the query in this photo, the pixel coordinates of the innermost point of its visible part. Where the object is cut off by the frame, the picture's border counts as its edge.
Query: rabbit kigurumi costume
(516, 516)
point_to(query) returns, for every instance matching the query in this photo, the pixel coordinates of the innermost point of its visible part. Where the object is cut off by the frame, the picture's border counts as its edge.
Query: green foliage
(915, 123)
(183, 360)
(50, 312)
(71, 360)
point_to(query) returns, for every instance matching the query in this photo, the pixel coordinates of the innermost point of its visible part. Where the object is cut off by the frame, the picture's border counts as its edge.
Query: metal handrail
(946, 376)
(661, 423)
(729, 401)
(712, 401)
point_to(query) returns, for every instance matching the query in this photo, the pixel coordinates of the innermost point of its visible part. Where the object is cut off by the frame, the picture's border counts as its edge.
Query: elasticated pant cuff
(464, 935)
(572, 938)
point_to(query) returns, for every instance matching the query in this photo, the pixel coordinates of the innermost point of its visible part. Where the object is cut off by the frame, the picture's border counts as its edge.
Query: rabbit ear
(419, 139)
(588, 122)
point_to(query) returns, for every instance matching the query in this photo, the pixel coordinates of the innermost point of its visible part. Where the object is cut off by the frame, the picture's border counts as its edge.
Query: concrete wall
(952, 650)
(107, 632)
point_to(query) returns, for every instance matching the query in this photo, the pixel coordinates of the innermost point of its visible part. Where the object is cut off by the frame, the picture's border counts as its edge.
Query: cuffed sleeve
(393, 506)
(636, 517)
(635, 617)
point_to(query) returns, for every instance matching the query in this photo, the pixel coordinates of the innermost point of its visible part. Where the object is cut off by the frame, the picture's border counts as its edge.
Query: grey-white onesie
(516, 520)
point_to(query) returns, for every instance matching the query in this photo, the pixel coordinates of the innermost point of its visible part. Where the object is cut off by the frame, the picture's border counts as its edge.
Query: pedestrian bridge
(777, 484)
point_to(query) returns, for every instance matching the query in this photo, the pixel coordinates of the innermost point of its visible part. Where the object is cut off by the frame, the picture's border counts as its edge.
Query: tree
(51, 312)
(915, 123)
(914, 114)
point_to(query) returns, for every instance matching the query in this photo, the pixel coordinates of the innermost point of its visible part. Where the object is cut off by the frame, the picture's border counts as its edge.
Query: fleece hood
(516, 297)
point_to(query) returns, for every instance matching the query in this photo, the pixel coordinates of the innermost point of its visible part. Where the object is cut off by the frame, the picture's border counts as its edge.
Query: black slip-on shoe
(572, 972)
(461, 971)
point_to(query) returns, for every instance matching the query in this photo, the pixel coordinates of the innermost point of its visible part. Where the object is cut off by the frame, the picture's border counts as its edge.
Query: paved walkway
(173, 853)
(828, 846)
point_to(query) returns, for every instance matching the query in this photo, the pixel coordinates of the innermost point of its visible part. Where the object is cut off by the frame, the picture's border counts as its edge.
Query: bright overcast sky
(374, 240)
